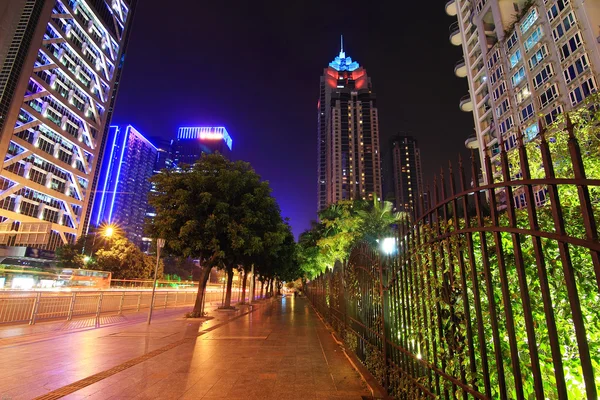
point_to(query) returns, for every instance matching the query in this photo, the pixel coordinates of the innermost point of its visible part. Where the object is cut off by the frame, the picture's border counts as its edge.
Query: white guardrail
(31, 307)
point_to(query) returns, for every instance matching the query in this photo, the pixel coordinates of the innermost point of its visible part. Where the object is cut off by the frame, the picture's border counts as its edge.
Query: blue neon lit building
(191, 142)
(123, 187)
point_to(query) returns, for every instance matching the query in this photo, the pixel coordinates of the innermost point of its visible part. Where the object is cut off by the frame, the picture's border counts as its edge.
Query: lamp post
(160, 243)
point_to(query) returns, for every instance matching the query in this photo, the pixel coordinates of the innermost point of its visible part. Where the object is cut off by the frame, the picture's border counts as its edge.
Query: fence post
(121, 303)
(166, 299)
(139, 301)
(72, 306)
(383, 333)
(99, 308)
(34, 309)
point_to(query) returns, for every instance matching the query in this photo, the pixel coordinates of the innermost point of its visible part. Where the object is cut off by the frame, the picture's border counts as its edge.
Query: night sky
(254, 68)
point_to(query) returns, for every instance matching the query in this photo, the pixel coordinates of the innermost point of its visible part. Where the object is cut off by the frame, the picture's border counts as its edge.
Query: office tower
(162, 161)
(408, 176)
(349, 165)
(523, 59)
(60, 70)
(122, 197)
(191, 142)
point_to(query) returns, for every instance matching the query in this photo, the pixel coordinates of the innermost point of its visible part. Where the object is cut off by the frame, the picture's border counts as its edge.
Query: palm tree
(379, 218)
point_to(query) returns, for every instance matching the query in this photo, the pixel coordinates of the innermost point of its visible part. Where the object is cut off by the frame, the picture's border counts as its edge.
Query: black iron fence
(494, 292)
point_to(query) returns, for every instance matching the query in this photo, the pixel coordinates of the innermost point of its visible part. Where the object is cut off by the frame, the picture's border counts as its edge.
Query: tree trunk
(244, 287)
(199, 305)
(229, 283)
(271, 287)
(253, 285)
(262, 288)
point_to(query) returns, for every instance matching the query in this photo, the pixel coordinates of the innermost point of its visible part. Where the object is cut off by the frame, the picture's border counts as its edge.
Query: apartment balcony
(455, 37)
(451, 9)
(472, 143)
(466, 104)
(460, 69)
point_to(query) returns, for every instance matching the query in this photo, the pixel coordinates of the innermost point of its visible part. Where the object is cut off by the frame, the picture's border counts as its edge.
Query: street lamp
(108, 231)
(160, 243)
(388, 245)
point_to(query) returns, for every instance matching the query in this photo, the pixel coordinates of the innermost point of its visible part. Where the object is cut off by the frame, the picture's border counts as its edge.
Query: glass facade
(54, 118)
(122, 198)
(191, 142)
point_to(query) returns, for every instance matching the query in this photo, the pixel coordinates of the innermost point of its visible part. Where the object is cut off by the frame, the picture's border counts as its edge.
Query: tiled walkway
(277, 350)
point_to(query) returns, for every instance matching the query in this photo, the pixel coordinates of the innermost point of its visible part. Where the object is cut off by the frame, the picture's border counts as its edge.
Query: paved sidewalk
(276, 350)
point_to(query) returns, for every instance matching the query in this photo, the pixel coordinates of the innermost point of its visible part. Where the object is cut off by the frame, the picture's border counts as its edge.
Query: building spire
(341, 43)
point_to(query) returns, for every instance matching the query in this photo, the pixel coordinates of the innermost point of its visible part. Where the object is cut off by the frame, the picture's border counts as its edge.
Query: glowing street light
(388, 245)
(109, 231)
(86, 259)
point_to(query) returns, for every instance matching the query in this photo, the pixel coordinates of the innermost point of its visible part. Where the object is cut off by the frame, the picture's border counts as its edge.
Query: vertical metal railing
(494, 291)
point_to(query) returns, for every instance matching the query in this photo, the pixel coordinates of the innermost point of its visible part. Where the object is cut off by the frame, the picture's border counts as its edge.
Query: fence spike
(569, 126)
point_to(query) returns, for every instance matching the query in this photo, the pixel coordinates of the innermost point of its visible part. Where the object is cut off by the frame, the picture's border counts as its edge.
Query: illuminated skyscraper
(408, 176)
(349, 164)
(191, 142)
(122, 196)
(59, 73)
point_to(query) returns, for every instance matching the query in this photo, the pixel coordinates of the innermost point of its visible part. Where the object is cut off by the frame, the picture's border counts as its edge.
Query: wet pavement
(278, 349)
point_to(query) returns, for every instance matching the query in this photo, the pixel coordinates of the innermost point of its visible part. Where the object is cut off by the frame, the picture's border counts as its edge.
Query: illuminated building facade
(191, 142)
(122, 196)
(59, 73)
(408, 176)
(523, 59)
(349, 164)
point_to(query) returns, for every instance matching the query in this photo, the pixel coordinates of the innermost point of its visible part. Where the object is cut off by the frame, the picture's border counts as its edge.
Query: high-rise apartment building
(408, 175)
(191, 142)
(349, 161)
(122, 195)
(59, 73)
(523, 59)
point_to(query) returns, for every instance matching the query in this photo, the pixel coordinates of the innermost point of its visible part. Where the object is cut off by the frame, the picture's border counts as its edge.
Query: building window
(512, 40)
(549, 96)
(496, 74)
(529, 20)
(540, 197)
(523, 94)
(568, 48)
(518, 76)
(532, 131)
(506, 124)
(526, 113)
(515, 58)
(510, 142)
(563, 27)
(493, 59)
(543, 76)
(538, 56)
(520, 201)
(576, 68)
(502, 108)
(584, 90)
(551, 116)
(533, 38)
(499, 91)
(557, 8)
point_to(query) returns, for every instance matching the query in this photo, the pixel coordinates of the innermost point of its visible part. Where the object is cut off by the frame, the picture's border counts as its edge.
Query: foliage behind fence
(494, 290)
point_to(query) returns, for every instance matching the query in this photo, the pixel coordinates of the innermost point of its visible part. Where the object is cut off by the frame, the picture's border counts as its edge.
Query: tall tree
(217, 211)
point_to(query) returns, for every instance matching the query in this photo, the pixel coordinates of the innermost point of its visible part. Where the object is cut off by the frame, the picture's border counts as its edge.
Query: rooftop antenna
(341, 43)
